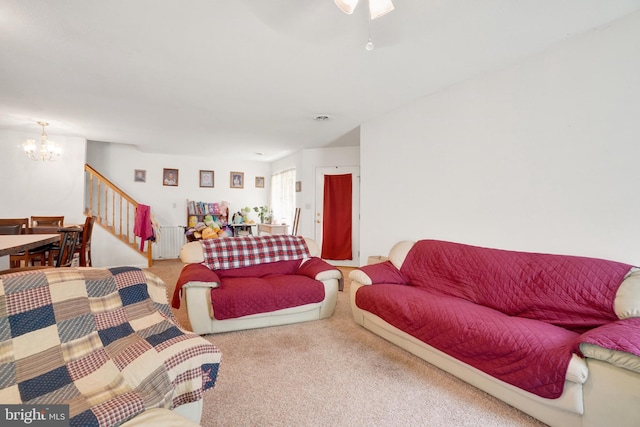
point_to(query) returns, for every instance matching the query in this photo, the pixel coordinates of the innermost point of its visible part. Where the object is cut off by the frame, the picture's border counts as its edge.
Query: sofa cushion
(573, 292)
(243, 296)
(526, 353)
(261, 270)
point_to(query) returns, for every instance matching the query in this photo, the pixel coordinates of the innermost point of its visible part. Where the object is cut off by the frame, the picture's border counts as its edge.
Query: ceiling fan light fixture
(378, 8)
(347, 6)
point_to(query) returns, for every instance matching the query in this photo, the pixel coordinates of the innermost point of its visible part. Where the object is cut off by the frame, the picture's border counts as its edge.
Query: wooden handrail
(111, 209)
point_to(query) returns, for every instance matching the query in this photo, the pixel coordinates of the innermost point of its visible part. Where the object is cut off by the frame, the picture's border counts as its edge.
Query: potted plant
(264, 213)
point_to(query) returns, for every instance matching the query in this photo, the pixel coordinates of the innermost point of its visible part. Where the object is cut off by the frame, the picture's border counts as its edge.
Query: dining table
(14, 244)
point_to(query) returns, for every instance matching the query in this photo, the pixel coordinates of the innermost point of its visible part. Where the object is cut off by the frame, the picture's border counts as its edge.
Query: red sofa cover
(514, 315)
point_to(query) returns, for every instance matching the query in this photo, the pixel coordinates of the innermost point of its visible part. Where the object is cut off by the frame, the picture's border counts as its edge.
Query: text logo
(34, 415)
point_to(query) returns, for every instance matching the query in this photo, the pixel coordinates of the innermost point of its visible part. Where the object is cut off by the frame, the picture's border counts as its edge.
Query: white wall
(117, 162)
(306, 162)
(312, 160)
(541, 156)
(41, 188)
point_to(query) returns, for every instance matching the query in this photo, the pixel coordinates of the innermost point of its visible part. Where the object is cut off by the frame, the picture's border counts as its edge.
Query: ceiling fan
(377, 8)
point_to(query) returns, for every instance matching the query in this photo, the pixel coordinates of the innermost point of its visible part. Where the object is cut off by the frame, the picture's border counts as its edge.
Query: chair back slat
(47, 221)
(10, 229)
(68, 238)
(84, 247)
(23, 222)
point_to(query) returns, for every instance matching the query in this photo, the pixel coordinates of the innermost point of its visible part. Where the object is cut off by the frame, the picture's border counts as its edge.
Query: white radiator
(168, 242)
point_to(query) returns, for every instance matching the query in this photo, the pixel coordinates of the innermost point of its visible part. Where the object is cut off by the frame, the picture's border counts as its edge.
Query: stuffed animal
(237, 218)
(209, 233)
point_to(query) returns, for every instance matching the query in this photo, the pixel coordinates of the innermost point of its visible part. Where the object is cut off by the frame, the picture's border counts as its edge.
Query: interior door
(355, 207)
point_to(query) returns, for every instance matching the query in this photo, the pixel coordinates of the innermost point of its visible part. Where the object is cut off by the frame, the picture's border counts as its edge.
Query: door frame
(318, 219)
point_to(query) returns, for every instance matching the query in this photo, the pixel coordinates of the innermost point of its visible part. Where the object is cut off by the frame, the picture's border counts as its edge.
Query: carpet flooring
(335, 373)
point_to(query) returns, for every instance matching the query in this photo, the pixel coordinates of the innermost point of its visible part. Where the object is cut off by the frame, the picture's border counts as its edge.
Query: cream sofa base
(610, 395)
(198, 300)
(187, 415)
(160, 417)
(192, 410)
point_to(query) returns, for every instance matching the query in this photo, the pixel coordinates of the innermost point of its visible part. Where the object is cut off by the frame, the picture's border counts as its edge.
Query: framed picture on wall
(170, 177)
(237, 179)
(140, 175)
(206, 179)
(259, 181)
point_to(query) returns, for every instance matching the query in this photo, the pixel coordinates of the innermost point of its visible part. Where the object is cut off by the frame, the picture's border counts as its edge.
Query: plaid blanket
(223, 254)
(103, 341)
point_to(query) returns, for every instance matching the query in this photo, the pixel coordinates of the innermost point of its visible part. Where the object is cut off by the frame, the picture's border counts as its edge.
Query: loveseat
(555, 336)
(236, 283)
(102, 343)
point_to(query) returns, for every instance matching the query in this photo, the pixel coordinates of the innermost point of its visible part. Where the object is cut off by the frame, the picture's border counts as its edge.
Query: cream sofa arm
(360, 277)
(328, 275)
(191, 253)
(620, 359)
(210, 285)
(399, 252)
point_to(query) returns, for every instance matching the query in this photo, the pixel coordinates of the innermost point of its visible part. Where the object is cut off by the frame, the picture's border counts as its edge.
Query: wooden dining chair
(7, 230)
(64, 257)
(83, 248)
(23, 222)
(69, 236)
(41, 225)
(47, 221)
(296, 220)
(16, 260)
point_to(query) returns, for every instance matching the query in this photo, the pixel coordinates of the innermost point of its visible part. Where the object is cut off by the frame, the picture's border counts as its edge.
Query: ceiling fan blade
(347, 6)
(377, 8)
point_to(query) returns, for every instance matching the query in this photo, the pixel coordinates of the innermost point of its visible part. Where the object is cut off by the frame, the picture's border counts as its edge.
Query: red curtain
(336, 228)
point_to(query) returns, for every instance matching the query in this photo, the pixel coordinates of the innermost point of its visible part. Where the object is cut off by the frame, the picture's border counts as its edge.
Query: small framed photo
(259, 181)
(139, 175)
(237, 179)
(170, 177)
(298, 186)
(206, 179)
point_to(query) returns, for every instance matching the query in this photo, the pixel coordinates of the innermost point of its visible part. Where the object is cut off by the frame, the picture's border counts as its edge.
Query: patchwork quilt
(103, 341)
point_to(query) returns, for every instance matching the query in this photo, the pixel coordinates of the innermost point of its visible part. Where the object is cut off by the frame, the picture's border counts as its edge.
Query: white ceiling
(245, 76)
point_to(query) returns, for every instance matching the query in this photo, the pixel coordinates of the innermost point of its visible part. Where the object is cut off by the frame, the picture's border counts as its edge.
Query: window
(283, 196)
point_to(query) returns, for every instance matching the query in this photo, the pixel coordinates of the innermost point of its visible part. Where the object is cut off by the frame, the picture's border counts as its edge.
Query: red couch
(251, 282)
(515, 324)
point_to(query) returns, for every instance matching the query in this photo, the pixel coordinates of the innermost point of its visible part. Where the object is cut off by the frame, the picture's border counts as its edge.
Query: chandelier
(377, 8)
(48, 151)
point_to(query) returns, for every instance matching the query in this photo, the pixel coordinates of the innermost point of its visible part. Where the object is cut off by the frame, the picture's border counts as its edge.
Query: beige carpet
(335, 373)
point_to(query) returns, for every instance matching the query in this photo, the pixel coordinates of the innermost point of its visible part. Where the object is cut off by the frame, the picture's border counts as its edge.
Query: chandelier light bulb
(369, 46)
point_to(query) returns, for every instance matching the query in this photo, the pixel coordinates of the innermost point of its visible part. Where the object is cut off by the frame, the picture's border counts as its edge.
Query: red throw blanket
(516, 316)
(239, 252)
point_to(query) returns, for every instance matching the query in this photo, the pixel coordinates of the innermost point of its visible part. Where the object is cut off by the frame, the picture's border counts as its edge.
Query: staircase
(114, 209)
